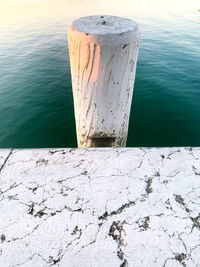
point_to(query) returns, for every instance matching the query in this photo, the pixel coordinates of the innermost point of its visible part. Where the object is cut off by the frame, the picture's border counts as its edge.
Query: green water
(36, 104)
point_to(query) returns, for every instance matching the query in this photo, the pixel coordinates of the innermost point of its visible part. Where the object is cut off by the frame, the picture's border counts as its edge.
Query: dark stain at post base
(102, 141)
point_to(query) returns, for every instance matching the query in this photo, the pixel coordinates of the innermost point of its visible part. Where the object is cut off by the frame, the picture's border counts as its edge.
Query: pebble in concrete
(100, 207)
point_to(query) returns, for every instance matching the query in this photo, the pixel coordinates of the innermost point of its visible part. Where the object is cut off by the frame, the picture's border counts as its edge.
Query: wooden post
(103, 54)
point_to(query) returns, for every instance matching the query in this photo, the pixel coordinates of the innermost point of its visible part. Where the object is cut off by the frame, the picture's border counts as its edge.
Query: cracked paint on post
(103, 53)
(100, 207)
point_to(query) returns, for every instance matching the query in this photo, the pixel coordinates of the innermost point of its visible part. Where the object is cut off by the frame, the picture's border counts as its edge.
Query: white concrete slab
(100, 207)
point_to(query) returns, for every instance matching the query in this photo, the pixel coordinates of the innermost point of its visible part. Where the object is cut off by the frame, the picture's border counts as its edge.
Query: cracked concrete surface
(100, 207)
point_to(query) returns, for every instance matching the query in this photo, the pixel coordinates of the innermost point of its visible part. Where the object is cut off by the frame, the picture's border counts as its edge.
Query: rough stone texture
(100, 207)
(104, 24)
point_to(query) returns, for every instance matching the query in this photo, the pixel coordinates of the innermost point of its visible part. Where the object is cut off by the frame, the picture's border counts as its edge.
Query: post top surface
(104, 24)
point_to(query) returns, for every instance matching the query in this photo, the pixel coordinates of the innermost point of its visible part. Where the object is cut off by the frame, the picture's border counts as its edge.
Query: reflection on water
(36, 107)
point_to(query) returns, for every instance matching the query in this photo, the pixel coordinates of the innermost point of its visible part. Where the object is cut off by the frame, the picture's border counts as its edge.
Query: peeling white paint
(103, 54)
(100, 207)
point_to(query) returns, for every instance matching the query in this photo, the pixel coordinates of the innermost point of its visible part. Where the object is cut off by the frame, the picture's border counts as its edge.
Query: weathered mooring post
(103, 54)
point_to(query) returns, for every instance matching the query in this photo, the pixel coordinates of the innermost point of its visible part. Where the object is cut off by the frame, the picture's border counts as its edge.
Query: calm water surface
(36, 104)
